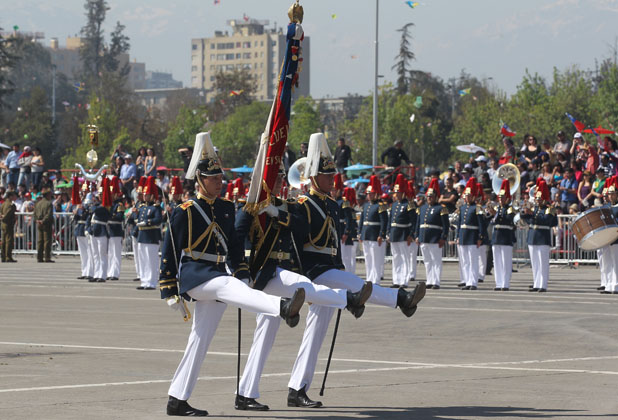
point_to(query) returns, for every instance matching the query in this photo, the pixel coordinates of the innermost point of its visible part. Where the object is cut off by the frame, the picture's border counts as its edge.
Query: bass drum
(595, 228)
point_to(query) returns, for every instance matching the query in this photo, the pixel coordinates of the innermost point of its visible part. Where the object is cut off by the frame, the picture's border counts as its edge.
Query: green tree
(32, 125)
(604, 104)
(7, 61)
(304, 122)
(233, 89)
(403, 59)
(181, 133)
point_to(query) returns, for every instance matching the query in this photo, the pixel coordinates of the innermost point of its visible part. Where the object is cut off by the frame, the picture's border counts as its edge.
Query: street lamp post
(374, 160)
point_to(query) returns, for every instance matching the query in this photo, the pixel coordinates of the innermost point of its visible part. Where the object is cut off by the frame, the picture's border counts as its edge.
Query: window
(220, 56)
(212, 46)
(261, 65)
(246, 55)
(194, 46)
(262, 54)
(255, 54)
(246, 66)
(212, 78)
(212, 67)
(225, 45)
(255, 44)
(229, 67)
(274, 43)
(246, 44)
(212, 57)
(255, 66)
(193, 68)
(237, 56)
(261, 43)
(229, 56)
(238, 45)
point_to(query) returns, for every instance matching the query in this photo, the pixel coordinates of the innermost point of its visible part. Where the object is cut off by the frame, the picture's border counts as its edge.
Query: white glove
(140, 224)
(173, 302)
(87, 234)
(270, 210)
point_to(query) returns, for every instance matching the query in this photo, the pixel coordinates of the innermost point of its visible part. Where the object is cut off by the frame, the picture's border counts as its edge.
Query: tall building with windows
(250, 46)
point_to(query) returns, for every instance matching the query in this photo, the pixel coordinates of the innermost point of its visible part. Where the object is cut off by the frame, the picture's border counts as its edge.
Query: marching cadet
(116, 231)
(321, 262)
(99, 234)
(132, 221)
(275, 266)
(612, 260)
(431, 232)
(373, 226)
(44, 217)
(176, 193)
(202, 241)
(470, 233)
(503, 237)
(8, 219)
(485, 248)
(149, 221)
(540, 220)
(400, 232)
(349, 238)
(604, 254)
(80, 218)
(337, 191)
(413, 246)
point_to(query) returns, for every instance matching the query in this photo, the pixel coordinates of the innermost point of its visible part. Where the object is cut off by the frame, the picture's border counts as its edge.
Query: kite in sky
(217, 2)
(334, 16)
(245, 17)
(354, 57)
(412, 4)
(419, 102)
(79, 86)
(236, 92)
(465, 92)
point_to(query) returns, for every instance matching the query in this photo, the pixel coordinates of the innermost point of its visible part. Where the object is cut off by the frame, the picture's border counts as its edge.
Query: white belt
(326, 250)
(471, 227)
(540, 227)
(114, 223)
(401, 225)
(372, 223)
(81, 222)
(425, 226)
(503, 227)
(96, 222)
(208, 257)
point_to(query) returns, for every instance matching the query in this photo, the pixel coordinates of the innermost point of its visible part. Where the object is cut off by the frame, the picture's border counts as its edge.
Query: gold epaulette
(418, 211)
(510, 210)
(302, 199)
(444, 211)
(186, 204)
(479, 210)
(345, 204)
(411, 205)
(383, 207)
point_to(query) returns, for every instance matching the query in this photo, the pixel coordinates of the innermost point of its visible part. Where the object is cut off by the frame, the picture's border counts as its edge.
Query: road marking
(77, 346)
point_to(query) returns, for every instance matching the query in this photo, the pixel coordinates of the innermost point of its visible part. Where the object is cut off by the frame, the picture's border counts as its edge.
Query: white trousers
(85, 256)
(413, 250)
(401, 261)
(612, 262)
(432, 257)
(462, 276)
(99, 245)
(114, 255)
(539, 259)
(469, 259)
(348, 255)
(604, 256)
(482, 261)
(135, 259)
(283, 284)
(319, 317)
(149, 264)
(503, 265)
(212, 299)
(374, 260)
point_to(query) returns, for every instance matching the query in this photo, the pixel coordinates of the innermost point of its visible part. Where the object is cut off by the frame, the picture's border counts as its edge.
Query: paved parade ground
(70, 349)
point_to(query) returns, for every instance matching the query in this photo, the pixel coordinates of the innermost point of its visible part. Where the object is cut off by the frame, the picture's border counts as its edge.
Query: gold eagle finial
(295, 13)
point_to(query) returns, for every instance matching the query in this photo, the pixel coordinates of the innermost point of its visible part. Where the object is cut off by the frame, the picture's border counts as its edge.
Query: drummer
(612, 261)
(604, 253)
(540, 219)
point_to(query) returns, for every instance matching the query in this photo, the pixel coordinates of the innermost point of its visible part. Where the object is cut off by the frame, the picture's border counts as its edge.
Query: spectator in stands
(163, 181)
(140, 161)
(25, 158)
(493, 167)
(119, 152)
(304, 147)
(458, 167)
(37, 165)
(491, 154)
(607, 165)
(4, 170)
(150, 164)
(185, 154)
(547, 150)
(509, 151)
(289, 157)
(343, 155)
(449, 195)
(561, 158)
(481, 168)
(394, 155)
(562, 145)
(12, 165)
(128, 173)
(530, 149)
(584, 192)
(569, 187)
(116, 166)
(597, 187)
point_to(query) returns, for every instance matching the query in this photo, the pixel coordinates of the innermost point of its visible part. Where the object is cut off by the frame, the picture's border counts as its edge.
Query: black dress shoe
(140, 288)
(601, 288)
(407, 301)
(542, 290)
(136, 279)
(300, 399)
(497, 289)
(394, 286)
(11, 260)
(49, 261)
(101, 280)
(113, 278)
(149, 288)
(290, 308)
(357, 300)
(505, 289)
(244, 403)
(473, 287)
(436, 287)
(606, 292)
(461, 284)
(465, 288)
(412, 279)
(81, 277)
(533, 289)
(92, 280)
(176, 407)
(108, 278)
(429, 286)
(481, 281)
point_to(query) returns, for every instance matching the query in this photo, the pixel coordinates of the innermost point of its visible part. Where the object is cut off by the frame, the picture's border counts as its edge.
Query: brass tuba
(506, 171)
(296, 174)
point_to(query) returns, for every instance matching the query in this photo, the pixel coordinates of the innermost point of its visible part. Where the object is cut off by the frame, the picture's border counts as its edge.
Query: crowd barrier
(564, 249)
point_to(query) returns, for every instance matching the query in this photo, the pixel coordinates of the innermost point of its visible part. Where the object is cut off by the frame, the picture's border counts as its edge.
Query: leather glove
(270, 210)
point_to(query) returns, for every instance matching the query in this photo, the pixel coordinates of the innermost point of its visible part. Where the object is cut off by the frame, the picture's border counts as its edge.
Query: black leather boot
(291, 307)
(300, 399)
(176, 407)
(407, 301)
(244, 403)
(357, 300)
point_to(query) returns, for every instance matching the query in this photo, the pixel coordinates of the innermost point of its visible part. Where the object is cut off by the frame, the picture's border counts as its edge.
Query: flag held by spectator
(506, 131)
(578, 124)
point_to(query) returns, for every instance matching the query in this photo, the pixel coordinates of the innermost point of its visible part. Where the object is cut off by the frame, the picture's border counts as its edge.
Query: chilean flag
(578, 124)
(506, 131)
(274, 138)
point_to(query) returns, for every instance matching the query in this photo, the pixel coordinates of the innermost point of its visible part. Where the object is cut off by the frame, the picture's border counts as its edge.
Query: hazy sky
(488, 38)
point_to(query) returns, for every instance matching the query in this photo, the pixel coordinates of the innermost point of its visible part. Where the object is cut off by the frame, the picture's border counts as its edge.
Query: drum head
(599, 238)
